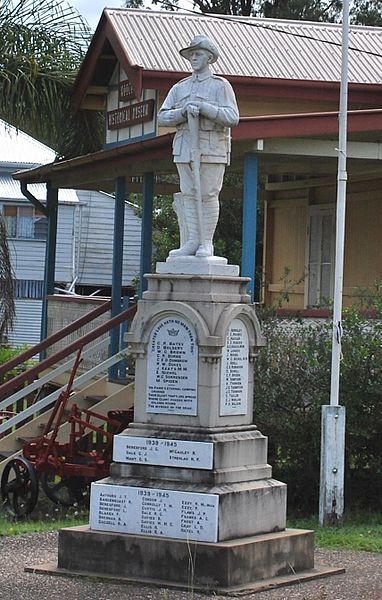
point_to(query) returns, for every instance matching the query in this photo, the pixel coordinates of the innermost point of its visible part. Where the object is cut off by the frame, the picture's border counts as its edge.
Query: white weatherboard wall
(28, 256)
(85, 230)
(27, 323)
(94, 231)
(65, 243)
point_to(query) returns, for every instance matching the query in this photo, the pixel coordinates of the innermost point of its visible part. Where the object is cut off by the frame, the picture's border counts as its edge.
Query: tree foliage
(362, 12)
(301, 10)
(42, 44)
(292, 382)
(366, 12)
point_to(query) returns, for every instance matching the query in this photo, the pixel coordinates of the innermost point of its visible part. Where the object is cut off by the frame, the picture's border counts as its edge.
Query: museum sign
(141, 112)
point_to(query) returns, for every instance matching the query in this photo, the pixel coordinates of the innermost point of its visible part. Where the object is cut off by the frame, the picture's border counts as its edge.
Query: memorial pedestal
(190, 490)
(245, 563)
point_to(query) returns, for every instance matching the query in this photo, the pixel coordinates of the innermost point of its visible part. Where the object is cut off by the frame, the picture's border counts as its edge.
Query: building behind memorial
(286, 78)
(84, 236)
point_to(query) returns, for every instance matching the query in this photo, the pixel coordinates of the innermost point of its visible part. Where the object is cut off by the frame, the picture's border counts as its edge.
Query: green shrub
(292, 381)
(6, 354)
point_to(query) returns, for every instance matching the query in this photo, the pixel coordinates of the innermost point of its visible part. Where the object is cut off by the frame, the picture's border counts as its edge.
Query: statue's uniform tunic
(214, 129)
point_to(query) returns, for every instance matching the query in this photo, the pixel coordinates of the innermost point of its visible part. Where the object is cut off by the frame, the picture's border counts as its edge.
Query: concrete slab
(318, 572)
(240, 564)
(192, 265)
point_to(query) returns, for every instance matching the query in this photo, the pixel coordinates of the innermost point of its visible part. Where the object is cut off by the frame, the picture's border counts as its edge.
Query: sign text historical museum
(133, 114)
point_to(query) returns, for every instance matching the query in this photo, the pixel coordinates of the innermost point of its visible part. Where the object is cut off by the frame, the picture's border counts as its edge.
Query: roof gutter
(36, 203)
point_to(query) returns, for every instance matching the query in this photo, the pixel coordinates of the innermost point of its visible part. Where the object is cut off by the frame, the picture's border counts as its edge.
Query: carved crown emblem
(173, 332)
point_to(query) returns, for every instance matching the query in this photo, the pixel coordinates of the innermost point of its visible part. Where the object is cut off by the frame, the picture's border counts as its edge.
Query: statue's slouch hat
(201, 42)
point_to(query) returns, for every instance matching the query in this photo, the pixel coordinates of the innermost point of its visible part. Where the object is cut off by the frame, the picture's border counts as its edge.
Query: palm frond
(42, 43)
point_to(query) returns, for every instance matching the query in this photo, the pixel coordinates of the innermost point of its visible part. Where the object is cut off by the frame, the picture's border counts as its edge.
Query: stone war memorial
(190, 500)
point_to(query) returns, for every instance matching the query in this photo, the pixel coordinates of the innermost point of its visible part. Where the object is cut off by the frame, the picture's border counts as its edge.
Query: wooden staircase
(91, 389)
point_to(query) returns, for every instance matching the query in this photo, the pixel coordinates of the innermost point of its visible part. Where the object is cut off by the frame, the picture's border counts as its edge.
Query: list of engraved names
(234, 372)
(172, 366)
(161, 451)
(156, 512)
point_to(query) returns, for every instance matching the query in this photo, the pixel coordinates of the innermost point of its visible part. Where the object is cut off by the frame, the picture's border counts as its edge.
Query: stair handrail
(77, 383)
(32, 372)
(54, 337)
(38, 383)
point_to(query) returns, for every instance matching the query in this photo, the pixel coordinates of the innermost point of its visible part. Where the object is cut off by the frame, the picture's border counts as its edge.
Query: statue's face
(199, 60)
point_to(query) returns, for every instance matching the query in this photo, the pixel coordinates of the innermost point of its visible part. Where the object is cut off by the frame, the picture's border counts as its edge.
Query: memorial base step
(185, 511)
(207, 288)
(192, 265)
(248, 564)
(209, 457)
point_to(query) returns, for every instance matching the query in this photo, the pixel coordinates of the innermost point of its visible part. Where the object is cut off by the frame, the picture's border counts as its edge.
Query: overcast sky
(92, 9)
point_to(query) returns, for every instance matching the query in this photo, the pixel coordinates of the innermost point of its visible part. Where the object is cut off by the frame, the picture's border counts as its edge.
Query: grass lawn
(360, 532)
(46, 518)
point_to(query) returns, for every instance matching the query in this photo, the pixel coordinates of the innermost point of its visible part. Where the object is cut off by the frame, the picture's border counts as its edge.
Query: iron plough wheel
(19, 487)
(66, 491)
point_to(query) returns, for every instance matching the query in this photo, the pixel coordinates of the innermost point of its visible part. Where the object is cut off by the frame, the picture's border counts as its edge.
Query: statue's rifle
(193, 124)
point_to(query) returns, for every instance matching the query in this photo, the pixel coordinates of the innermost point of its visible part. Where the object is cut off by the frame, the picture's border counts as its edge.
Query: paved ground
(362, 580)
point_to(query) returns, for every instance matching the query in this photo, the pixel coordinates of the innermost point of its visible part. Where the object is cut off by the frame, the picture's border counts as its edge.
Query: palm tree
(42, 43)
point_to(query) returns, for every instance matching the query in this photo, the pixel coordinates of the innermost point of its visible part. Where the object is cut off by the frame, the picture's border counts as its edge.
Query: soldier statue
(203, 108)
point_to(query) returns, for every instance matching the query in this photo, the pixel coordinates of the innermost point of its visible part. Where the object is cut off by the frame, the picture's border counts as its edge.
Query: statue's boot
(210, 220)
(191, 216)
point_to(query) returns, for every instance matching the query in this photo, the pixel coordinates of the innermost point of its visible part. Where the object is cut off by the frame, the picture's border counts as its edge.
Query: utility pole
(331, 507)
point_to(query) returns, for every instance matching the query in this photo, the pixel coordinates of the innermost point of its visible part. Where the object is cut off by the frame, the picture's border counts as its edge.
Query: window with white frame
(25, 222)
(320, 255)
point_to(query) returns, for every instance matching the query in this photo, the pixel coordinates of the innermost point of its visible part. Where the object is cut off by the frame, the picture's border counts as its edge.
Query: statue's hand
(197, 107)
(191, 108)
(208, 110)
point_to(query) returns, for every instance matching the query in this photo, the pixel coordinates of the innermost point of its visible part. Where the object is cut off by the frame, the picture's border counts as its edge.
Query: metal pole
(50, 258)
(341, 206)
(250, 192)
(333, 417)
(116, 290)
(146, 229)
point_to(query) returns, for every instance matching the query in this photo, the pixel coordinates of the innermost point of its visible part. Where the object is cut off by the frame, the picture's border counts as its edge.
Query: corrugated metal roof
(10, 190)
(17, 147)
(250, 47)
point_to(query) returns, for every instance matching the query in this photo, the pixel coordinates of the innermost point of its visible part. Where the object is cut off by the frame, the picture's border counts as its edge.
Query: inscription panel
(172, 368)
(164, 452)
(234, 371)
(156, 512)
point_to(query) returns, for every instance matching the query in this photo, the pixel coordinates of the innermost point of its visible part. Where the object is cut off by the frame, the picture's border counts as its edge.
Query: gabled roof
(250, 47)
(146, 44)
(19, 150)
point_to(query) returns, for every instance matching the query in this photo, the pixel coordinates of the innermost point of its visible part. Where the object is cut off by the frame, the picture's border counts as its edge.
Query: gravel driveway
(362, 580)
